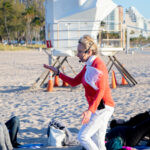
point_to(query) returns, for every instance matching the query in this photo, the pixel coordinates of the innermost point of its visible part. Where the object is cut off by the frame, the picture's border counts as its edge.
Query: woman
(94, 77)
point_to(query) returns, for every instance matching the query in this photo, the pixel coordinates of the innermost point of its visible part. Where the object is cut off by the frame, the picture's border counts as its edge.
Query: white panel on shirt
(92, 75)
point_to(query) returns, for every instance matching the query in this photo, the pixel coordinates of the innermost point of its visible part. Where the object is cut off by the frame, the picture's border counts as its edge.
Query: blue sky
(143, 6)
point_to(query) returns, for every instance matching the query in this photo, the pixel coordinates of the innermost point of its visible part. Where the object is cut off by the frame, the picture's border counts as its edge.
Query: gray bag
(61, 134)
(5, 143)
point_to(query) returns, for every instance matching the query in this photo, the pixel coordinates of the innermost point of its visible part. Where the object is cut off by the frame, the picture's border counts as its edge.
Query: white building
(113, 24)
(132, 18)
(114, 19)
(135, 19)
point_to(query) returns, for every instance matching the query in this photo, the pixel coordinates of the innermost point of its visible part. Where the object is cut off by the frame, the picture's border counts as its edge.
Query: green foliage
(19, 21)
(132, 32)
(4, 47)
(102, 24)
(37, 21)
(139, 40)
(111, 35)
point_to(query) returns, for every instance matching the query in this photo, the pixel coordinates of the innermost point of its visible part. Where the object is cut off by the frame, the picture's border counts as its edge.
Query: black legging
(130, 135)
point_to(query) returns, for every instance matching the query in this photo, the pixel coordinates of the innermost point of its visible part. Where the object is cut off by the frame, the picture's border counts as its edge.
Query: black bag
(101, 105)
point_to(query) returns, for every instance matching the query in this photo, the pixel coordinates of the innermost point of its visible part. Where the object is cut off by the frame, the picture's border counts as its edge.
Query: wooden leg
(111, 64)
(126, 72)
(71, 67)
(121, 71)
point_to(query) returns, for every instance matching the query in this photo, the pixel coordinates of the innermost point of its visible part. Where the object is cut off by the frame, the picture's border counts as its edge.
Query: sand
(35, 108)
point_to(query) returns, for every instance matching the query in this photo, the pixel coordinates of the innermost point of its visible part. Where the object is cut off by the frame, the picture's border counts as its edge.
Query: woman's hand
(55, 70)
(86, 116)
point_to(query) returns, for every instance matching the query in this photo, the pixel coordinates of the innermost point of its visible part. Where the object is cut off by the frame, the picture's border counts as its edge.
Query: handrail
(67, 33)
(85, 21)
(138, 28)
(86, 30)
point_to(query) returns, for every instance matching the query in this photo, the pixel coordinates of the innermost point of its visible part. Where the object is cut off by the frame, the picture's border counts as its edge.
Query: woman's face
(81, 53)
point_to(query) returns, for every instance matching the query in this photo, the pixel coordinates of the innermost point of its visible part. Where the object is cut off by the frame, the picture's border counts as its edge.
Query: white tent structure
(68, 20)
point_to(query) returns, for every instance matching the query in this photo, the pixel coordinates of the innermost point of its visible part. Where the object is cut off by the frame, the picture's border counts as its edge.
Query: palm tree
(37, 23)
(7, 11)
(29, 14)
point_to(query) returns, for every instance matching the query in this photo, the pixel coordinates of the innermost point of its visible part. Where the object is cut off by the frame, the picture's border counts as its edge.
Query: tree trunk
(8, 35)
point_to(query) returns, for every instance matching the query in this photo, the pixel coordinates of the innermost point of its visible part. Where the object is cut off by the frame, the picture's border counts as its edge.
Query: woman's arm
(72, 81)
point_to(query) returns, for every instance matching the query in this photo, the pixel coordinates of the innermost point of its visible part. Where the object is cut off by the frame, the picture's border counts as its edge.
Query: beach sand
(35, 108)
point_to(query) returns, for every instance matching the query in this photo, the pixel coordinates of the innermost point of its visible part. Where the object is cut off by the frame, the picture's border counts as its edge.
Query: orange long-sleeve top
(93, 96)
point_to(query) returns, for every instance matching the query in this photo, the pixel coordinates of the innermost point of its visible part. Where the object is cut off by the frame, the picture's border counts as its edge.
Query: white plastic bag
(56, 137)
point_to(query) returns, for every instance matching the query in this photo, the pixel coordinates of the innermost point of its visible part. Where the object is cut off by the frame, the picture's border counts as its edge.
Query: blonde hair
(88, 42)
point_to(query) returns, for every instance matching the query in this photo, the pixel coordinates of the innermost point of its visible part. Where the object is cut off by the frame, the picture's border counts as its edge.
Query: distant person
(13, 126)
(94, 77)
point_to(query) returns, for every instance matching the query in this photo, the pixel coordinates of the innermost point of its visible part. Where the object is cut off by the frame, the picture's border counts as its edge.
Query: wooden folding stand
(110, 52)
(61, 58)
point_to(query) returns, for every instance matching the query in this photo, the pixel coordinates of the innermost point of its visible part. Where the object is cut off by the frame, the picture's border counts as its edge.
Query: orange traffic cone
(56, 82)
(113, 80)
(50, 83)
(124, 82)
(65, 84)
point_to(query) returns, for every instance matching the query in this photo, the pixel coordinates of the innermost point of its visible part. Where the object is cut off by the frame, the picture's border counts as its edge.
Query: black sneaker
(16, 145)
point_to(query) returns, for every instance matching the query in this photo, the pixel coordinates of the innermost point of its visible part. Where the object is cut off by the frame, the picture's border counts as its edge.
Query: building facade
(113, 25)
(114, 20)
(137, 24)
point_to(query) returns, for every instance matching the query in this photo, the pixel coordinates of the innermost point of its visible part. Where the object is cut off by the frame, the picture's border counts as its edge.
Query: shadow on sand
(11, 89)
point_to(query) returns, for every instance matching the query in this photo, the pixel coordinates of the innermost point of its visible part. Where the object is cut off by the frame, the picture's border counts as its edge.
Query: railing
(66, 34)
